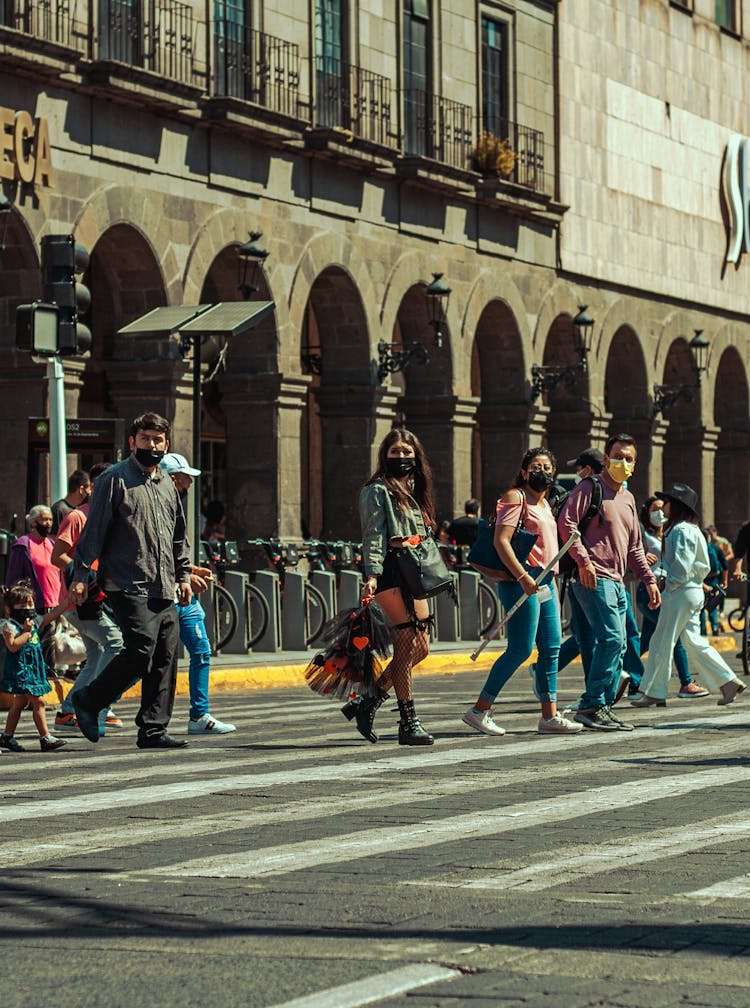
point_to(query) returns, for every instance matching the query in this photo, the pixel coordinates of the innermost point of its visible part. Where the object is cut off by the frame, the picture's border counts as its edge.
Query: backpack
(567, 563)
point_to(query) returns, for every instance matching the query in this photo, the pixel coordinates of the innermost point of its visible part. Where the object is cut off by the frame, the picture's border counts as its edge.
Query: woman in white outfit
(685, 561)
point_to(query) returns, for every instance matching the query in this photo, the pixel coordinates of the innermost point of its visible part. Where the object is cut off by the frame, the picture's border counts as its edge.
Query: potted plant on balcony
(493, 158)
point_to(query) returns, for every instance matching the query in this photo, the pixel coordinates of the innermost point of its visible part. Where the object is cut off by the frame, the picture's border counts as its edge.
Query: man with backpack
(610, 543)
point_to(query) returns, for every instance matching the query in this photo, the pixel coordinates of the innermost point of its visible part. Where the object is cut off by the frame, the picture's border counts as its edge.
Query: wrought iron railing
(157, 35)
(437, 128)
(256, 67)
(354, 99)
(50, 20)
(530, 169)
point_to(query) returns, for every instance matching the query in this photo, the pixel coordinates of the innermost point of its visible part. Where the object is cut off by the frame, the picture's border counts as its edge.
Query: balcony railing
(255, 67)
(529, 169)
(437, 128)
(49, 20)
(354, 99)
(157, 35)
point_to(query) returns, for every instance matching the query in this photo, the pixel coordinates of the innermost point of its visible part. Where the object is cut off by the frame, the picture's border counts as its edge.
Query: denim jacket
(382, 519)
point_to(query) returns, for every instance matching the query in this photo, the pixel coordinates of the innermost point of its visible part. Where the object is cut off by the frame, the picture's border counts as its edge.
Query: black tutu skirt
(355, 640)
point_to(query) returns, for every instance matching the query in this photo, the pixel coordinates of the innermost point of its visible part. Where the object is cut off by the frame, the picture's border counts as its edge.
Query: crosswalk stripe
(293, 857)
(611, 856)
(374, 988)
(89, 840)
(736, 888)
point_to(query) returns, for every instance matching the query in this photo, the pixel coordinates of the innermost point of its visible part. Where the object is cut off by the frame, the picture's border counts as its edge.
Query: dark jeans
(150, 631)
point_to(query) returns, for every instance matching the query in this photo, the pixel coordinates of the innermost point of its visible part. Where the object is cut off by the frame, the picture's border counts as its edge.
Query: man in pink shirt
(610, 544)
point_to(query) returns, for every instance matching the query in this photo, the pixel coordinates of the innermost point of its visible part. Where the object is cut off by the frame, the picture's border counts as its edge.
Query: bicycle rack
(325, 582)
(267, 582)
(234, 582)
(293, 629)
(468, 597)
(447, 616)
(350, 584)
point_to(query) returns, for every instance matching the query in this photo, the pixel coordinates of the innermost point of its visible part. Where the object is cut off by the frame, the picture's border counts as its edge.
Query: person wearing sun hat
(685, 562)
(192, 624)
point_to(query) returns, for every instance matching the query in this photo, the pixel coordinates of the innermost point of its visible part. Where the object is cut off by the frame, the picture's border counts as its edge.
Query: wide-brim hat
(684, 494)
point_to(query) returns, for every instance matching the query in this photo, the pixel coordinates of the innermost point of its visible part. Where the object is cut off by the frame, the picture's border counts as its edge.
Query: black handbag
(484, 557)
(421, 569)
(714, 598)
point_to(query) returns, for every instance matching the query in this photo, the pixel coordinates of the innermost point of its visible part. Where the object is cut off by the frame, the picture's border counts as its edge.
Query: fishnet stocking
(410, 646)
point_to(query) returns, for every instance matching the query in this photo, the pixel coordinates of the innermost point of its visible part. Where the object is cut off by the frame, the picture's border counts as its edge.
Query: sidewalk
(234, 673)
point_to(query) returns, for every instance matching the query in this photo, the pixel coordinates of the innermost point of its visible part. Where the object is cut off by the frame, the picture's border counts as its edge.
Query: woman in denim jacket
(685, 561)
(394, 505)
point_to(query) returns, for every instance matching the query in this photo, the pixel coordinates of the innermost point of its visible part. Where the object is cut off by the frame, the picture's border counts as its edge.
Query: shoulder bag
(421, 568)
(483, 556)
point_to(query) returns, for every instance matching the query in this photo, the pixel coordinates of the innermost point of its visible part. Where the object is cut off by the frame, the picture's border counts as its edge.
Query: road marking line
(736, 888)
(374, 988)
(139, 832)
(610, 856)
(340, 848)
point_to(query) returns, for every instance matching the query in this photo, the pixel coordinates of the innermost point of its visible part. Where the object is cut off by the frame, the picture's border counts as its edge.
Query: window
(331, 85)
(230, 48)
(495, 77)
(726, 14)
(417, 77)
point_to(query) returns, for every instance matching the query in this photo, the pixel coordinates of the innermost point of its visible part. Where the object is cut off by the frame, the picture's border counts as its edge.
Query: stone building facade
(347, 134)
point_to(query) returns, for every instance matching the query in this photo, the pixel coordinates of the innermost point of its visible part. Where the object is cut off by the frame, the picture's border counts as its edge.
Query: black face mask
(399, 466)
(540, 481)
(149, 458)
(21, 615)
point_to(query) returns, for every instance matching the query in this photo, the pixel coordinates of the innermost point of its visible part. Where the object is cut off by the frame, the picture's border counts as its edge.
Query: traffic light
(62, 260)
(36, 328)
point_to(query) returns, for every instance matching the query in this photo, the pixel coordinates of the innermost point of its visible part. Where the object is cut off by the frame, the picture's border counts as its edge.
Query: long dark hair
(519, 482)
(421, 474)
(645, 514)
(679, 512)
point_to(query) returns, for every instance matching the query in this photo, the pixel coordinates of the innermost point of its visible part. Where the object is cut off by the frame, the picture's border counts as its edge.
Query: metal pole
(57, 440)
(196, 461)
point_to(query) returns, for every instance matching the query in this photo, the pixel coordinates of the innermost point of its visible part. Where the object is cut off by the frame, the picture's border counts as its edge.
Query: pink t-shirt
(47, 575)
(539, 520)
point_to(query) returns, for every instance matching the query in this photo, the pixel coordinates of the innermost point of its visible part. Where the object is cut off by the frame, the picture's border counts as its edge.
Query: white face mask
(658, 518)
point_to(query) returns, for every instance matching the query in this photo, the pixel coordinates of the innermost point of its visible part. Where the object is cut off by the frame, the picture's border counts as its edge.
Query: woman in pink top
(539, 618)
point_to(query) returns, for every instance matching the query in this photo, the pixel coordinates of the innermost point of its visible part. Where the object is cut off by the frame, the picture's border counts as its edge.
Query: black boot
(350, 708)
(365, 714)
(410, 730)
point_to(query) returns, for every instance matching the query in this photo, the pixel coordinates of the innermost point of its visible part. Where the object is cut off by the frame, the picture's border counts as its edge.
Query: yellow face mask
(620, 470)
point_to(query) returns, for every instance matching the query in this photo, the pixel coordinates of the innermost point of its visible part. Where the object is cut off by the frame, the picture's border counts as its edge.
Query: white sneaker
(208, 725)
(482, 722)
(558, 725)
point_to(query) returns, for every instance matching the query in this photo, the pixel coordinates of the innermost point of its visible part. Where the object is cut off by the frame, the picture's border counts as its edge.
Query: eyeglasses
(537, 469)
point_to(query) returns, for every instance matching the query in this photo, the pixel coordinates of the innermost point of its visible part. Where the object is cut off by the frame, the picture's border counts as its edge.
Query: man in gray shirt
(136, 529)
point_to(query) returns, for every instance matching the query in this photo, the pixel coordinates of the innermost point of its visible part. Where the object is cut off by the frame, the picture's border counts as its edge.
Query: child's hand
(28, 625)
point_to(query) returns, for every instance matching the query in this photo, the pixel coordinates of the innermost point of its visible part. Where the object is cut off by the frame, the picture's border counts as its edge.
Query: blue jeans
(193, 635)
(103, 641)
(534, 621)
(650, 619)
(631, 661)
(581, 641)
(713, 616)
(606, 609)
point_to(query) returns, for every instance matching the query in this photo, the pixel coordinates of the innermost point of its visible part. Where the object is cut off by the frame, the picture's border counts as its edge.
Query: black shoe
(350, 708)
(410, 730)
(594, 717)
(50, 744)
(620, 725)
(365, 714)
(160, 742)
(11, 744)
(88, 719)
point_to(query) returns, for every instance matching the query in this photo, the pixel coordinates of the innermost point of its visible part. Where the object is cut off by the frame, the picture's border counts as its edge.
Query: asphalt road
(294, 864)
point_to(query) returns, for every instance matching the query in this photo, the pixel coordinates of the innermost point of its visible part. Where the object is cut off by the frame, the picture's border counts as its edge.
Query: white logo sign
(737, 195)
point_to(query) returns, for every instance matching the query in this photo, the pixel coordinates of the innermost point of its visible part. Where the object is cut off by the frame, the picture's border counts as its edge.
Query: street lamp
(5, 208)
(546, 377)
(250, 259)
(666, 396)
(438, 295)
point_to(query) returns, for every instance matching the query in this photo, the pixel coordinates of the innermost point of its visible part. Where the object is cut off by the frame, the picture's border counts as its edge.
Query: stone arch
(731, 406)
(626, 398)
(569, 419)
(683, 456)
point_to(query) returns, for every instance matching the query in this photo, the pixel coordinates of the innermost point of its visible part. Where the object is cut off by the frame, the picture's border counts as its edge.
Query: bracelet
(519, 579)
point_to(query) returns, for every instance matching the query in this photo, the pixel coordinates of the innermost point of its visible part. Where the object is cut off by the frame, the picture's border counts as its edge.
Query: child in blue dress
(25, 670)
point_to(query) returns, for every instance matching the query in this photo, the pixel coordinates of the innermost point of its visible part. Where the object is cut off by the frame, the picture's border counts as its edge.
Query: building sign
(737, 195)
(25, 152)
(92, 434)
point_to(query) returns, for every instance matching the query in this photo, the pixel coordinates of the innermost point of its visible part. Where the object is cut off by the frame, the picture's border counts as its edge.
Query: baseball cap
(174, 463)
(590, 457)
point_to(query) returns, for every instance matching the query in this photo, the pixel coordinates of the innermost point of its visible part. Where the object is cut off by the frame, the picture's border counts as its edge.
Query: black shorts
(389, 577)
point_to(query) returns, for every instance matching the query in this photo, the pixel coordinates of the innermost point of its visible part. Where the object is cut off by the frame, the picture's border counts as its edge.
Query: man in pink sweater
(610, 544)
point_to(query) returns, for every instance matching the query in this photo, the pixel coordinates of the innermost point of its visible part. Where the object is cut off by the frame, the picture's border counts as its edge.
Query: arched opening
(731, 476)
(569, 419)
(337, 421)
(125, 282)
(498, 380)
(683, 462)
(626, 399)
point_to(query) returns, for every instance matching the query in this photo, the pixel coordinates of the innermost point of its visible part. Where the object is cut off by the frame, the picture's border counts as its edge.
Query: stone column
(73, 368)
(24, 395)
(505, 433)
(709, 443)
(569, 433)
(731, 482)
(650, 438)
(263, 414)
(155, 386)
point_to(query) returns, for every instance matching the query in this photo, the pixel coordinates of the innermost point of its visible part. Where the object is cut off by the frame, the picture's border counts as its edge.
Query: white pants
(679, 615)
